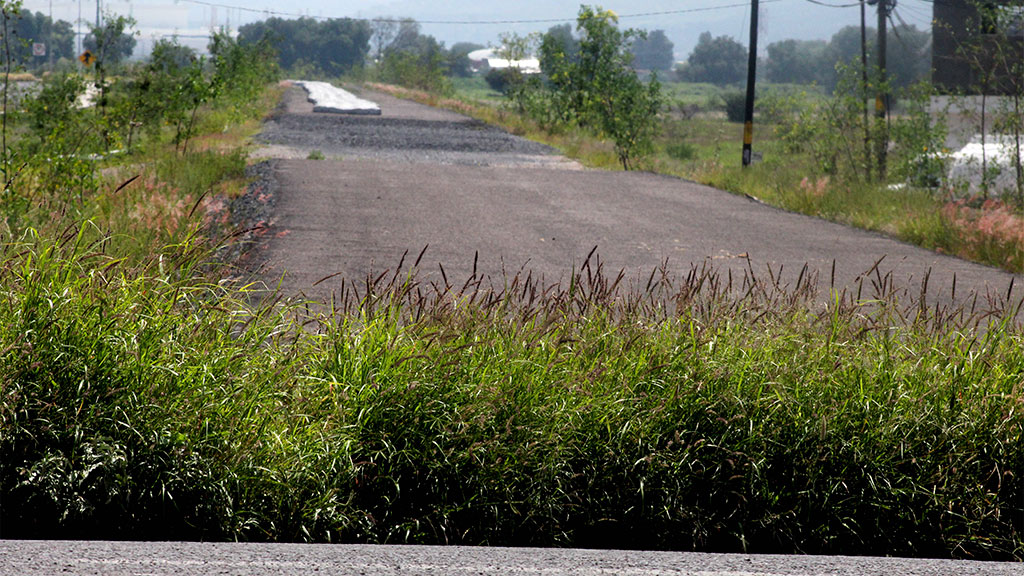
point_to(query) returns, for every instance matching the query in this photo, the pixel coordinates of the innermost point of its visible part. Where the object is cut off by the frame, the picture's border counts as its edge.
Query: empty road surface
(232, 559)
(420, 178)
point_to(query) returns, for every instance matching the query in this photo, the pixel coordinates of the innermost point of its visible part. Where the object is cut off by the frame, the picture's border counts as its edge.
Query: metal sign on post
(38, 49)
(87, 58)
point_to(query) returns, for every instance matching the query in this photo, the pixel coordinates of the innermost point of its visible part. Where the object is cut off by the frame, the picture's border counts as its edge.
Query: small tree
(608, 95)
(1007, 56)
(110, 43)
(242, 70)
(458, 59)
(421, 65)
(992, 46)
(510, 81)
(382, 33)
(799, 62)
(557, 45)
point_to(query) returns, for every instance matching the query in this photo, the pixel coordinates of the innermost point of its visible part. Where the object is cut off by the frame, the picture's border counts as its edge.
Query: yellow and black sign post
(748, 111)
(87, 58)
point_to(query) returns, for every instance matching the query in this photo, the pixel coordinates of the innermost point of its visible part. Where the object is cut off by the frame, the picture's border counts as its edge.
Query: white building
(489, 58)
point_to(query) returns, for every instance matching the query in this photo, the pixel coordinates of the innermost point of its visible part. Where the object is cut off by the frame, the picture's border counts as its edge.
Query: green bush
(735, 105)
(419, 71)
(499, 79)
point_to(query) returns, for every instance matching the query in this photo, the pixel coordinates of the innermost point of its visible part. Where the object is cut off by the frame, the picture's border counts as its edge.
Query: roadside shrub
(85, 366)
(918, 141)
(735, 105)
(990, 230)
(681, 151)
(418, 71)
(499, 78)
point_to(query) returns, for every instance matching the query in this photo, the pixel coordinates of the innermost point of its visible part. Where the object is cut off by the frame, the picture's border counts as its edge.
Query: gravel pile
(241, 225)
(457, 140)
(337, 132)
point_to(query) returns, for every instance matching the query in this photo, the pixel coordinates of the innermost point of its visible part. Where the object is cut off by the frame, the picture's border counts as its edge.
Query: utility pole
(882, 97)
(748, 112)
(864, 88)
(49, 40)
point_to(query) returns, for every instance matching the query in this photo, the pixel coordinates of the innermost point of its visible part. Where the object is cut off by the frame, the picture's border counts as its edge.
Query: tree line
(722, 60)
(400, 52)
(397, 48)
(25, 28)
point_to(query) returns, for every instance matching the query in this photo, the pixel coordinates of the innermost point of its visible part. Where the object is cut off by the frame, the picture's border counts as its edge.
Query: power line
(272, 12)
(827, 5)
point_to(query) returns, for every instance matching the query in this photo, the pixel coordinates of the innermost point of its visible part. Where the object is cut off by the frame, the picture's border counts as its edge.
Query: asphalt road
(203, 559)
(417, 177)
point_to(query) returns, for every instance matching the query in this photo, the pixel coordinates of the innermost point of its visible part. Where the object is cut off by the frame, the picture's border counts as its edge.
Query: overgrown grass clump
(676, 413)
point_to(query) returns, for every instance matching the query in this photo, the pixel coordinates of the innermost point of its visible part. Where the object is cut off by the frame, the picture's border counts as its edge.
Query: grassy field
(476, 88)
(143, 396)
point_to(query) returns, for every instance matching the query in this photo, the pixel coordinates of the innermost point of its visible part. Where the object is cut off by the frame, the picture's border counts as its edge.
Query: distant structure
(978, 62)
(978, 46)
(488, 59)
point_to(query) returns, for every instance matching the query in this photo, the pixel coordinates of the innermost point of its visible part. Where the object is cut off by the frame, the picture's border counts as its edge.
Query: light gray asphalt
(196, 559)
(421, 177)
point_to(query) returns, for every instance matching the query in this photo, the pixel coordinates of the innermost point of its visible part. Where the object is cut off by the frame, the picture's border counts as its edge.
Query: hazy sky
(481, 21)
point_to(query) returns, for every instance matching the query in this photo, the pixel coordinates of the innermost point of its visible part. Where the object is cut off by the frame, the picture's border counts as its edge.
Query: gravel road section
(195, 559)
(405, 131)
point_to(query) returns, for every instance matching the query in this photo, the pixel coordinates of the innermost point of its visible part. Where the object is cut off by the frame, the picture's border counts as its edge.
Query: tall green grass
(690, 413)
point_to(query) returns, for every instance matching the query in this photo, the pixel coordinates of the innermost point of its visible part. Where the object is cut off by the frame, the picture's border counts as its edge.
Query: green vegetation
(27, 28)
(111, 43)
(818, 162)
(415, 60)
(593, 87)
(71, 157)
(652, 51)
(108, 246)
(669, 413)
(720, 61)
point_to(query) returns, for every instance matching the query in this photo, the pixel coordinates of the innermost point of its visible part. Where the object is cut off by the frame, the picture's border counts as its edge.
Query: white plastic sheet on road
(328, 98)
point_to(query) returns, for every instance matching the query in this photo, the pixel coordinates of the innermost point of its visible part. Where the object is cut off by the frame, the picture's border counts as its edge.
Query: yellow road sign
(87, 58)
